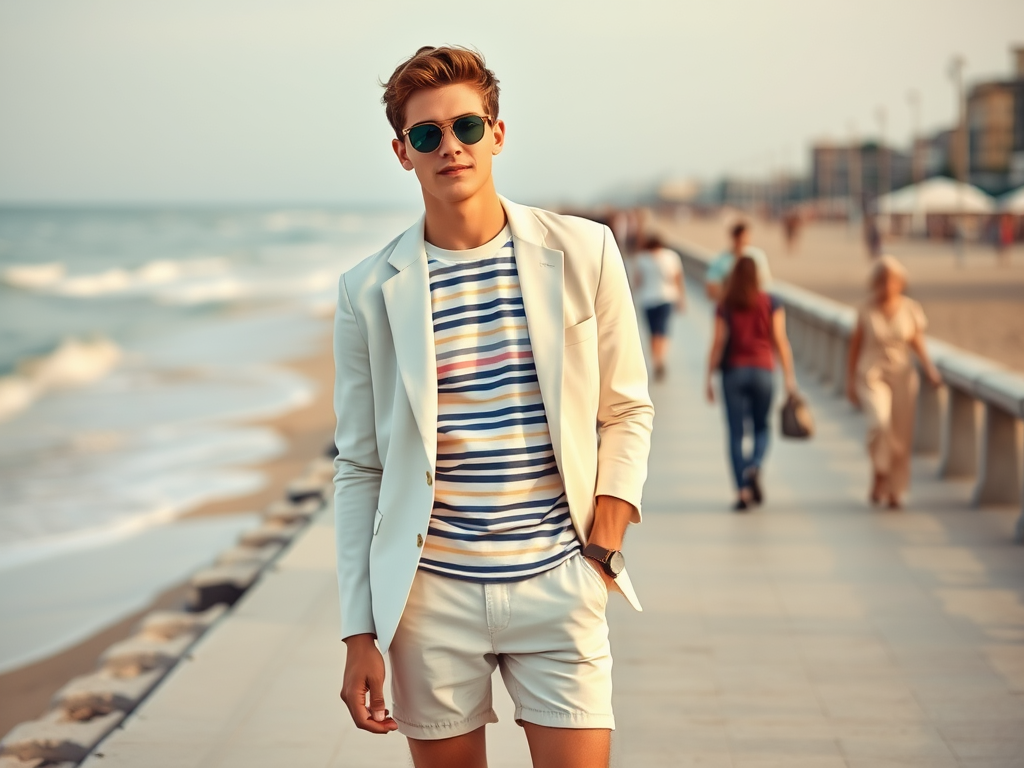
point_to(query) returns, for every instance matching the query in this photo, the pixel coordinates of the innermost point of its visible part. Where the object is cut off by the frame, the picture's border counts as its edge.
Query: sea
(137, 349)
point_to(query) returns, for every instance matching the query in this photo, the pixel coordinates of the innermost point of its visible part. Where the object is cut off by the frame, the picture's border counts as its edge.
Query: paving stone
(289, 512)
(270, 533)
(101, 692)
(168, 624)
(141, 653)
(242, 554)
(56, 738)
(222, 584)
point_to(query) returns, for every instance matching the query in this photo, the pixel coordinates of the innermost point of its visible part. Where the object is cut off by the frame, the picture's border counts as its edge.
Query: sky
(278, 102)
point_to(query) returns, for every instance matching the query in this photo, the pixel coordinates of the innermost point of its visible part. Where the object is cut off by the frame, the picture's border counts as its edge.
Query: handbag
(796, 420)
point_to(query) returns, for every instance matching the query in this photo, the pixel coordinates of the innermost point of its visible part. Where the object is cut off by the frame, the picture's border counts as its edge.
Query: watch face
(616, 563)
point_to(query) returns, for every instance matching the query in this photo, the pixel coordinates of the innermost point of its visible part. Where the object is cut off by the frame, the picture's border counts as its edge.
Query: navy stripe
(498, 425)
(495, 413)
(486, 373)
(511, 300)
(529, 535)
(465, 265)
(496, 465)
(479, 320)
(491, 454)
(476, 278)
(496, 568)
(498, 509)
(527, 379)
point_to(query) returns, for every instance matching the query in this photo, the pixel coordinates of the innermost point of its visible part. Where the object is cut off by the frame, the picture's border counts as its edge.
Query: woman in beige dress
(882, 379)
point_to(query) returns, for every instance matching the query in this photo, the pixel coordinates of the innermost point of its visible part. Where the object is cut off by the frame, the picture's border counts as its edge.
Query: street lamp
(956, 73)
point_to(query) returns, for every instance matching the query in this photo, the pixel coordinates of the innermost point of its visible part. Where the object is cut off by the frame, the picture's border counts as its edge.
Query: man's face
(454, 171)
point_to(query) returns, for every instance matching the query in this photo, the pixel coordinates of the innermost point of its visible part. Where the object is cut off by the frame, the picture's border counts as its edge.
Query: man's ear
(401, 153)
(499, 137)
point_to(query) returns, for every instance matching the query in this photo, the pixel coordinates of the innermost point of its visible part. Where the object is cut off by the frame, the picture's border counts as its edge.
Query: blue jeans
(747, 392)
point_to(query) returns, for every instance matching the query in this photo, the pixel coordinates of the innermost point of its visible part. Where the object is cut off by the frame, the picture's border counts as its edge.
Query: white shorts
(548, 634)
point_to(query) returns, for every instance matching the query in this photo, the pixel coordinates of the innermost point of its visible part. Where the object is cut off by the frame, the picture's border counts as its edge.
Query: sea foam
(74, 363)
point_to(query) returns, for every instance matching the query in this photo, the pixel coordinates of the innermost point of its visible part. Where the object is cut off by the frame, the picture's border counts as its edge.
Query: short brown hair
(432, 67)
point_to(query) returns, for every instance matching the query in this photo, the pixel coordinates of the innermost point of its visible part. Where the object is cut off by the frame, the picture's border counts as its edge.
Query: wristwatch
(612, 560)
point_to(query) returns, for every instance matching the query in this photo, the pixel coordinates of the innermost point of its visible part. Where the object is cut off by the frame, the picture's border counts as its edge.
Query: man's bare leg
(466, 751)
(568, 747)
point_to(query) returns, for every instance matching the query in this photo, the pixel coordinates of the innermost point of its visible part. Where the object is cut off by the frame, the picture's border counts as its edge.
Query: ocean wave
(74, 363)
(52, 278)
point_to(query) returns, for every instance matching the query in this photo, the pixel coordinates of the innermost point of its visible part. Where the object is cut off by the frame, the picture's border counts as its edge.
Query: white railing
(974, 422)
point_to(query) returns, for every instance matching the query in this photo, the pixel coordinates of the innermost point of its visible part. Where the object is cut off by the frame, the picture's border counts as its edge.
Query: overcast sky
(276, 101)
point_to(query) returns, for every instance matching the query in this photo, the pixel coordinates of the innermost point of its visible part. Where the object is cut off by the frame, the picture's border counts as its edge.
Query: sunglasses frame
(441, 127)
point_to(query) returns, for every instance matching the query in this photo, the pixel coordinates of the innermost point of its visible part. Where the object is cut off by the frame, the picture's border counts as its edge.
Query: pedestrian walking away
(721, 266)
(882, 379)
(659, 288)
(493, 433)
(750, 333)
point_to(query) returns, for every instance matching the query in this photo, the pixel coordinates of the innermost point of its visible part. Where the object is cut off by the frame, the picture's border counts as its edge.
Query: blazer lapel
(541, 279)
(407, 299)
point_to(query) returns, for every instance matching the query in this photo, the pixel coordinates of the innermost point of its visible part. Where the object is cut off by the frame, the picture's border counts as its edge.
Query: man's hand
(609, 582)
(364, 675)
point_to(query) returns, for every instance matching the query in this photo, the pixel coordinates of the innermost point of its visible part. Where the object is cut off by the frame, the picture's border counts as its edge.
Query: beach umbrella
(937, 195)
(1013, 202)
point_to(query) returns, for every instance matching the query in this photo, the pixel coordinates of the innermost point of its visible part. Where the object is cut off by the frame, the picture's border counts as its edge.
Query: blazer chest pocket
(377, 517)
(574, 334)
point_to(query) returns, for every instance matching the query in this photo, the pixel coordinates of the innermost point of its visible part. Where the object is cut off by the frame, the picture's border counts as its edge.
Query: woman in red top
(750, 329)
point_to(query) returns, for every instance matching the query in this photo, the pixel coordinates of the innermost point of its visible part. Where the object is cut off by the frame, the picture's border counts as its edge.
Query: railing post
(828, 350)
(928, 422)
(840, 351)
(959, 436)
(999, 471)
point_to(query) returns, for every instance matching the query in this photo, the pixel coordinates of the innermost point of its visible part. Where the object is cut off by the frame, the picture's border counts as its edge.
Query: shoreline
(25, 691)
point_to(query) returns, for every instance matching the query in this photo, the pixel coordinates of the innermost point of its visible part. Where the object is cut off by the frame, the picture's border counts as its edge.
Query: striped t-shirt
(500, 511)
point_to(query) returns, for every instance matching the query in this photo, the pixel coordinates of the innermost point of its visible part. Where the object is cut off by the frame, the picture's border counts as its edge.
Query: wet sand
(978, 306)
(25, 692)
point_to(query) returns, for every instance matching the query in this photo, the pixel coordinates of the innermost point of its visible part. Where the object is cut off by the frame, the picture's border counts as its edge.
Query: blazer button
(419, 539)
(430, 479)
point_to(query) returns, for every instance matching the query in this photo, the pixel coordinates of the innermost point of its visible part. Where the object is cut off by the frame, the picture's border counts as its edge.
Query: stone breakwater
(88, 708)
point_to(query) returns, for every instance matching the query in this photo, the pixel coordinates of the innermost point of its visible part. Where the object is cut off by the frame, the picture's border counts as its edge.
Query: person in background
(882, 378)
(753, 324)
(722, 264)
(872, 236)
(1004, 238)
(658, 287)
(791, 229)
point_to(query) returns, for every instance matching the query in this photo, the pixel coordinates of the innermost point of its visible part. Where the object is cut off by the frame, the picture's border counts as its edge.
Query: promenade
(811, 632)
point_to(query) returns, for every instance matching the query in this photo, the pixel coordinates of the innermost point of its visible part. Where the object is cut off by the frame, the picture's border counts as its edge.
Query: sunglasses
(426, 137)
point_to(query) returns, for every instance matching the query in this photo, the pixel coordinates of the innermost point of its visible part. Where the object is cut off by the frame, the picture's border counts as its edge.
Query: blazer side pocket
(574, 334)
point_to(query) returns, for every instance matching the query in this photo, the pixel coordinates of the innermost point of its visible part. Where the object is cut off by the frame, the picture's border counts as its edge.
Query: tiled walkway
(813, 632)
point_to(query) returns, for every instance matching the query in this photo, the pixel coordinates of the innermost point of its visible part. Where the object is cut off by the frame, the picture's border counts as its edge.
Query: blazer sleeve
(357, 469)
(625, 413)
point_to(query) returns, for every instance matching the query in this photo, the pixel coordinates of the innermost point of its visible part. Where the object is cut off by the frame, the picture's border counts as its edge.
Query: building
(858, 172)
(995, 119)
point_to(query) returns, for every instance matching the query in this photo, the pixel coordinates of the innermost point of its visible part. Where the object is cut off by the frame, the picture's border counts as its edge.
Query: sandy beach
(25, 692)
(977, 305)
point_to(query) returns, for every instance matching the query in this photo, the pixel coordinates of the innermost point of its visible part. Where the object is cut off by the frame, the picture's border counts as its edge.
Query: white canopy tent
(937, 196)
(1013, 202)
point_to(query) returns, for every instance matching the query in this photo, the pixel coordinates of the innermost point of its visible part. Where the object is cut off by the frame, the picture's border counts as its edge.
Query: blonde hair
(886, 265)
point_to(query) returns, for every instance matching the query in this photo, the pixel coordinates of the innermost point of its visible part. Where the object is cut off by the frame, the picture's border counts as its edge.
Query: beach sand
(25, 692)
(978, 306)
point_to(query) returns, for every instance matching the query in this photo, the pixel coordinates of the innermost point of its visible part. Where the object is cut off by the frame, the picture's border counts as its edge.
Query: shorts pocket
(591, 568)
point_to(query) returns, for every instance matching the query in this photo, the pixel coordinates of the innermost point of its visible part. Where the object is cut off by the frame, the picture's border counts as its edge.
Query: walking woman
(750, 332)
(658, 283)
(881, 377)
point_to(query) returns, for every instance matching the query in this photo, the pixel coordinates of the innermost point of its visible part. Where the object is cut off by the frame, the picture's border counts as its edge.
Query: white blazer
(593, 381)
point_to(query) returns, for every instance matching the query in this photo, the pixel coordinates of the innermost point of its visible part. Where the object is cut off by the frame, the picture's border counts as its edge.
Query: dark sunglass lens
(469, 130)
(425, 138)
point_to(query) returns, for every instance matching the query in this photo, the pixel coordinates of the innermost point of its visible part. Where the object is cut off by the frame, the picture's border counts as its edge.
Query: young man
(493, 429)
(721, 266)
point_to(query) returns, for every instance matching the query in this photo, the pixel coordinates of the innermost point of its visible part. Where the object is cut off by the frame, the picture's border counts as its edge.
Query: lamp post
(853, 174)
(956, 72)
(916, 174)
